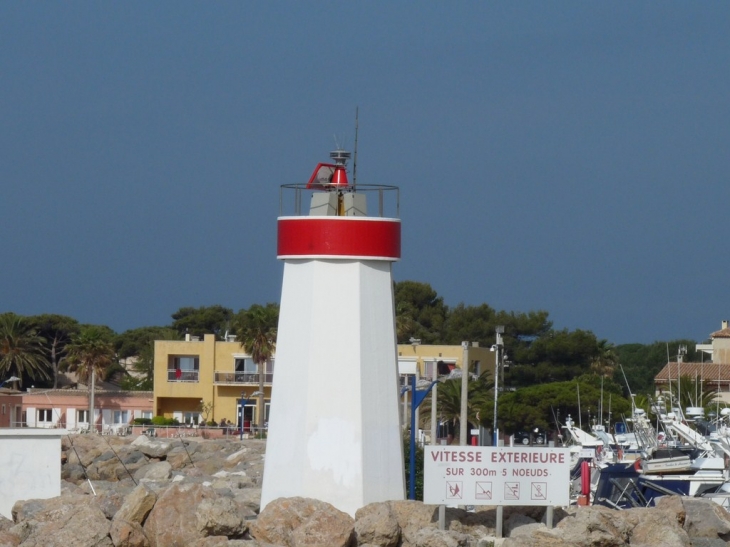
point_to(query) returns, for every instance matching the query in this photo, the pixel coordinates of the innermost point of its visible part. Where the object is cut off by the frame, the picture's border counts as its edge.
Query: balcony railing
(242, 378)
(177, 375)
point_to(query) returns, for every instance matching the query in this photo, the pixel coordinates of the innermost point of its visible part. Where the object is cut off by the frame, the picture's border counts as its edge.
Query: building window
(191, 418)
(82, 416)
(3, 410)
(247, 372)
(183, 368)
(121, 417)
(147, 414)
(45, 415)
(431, 368)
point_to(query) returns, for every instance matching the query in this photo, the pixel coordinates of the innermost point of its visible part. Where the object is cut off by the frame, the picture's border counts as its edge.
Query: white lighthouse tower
(334, 431)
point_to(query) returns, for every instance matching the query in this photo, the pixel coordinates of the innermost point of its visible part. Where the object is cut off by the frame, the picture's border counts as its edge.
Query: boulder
(126, 529)
(60, 522)
(110, 500)
(299, 522)
(652, 527)
(220, 517)
(705, 519)
(152, 448)
(376, 525)
(158, 471)
(173, 520)
(433, 537)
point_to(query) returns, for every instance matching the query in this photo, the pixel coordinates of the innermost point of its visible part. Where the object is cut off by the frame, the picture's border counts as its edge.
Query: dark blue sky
(571, 157)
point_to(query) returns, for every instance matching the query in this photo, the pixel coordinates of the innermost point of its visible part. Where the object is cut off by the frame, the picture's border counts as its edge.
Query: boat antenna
(600, 413)
(354, 159)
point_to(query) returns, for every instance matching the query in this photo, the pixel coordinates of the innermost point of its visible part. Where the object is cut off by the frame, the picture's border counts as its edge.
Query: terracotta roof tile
(723, 333)
(709, 372)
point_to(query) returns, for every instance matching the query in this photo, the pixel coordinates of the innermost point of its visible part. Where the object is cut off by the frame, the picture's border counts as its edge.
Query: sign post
(484, 475)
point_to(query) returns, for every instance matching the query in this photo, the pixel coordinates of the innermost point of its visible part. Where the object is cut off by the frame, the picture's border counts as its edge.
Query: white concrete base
(334, 431)
(30, 465)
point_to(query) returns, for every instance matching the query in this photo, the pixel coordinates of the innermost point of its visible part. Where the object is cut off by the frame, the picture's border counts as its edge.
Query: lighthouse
(334, 431)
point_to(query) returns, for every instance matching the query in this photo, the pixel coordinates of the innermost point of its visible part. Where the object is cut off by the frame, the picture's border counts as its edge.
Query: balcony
(177, 375)
(241, 378)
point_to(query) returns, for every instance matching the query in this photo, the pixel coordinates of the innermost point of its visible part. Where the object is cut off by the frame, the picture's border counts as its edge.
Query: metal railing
(242, 377)
(382, 200)
(177, 375)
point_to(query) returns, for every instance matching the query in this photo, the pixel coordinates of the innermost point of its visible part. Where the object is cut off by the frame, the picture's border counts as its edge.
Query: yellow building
(193, 374)
(423, 359)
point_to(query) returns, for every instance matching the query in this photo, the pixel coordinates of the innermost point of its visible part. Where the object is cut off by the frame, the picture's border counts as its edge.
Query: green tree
(133, 341)
(21, 350)
(204, 320)
(478, 324)
(138, 347)
(540, 405)
(91, 350)
(420, 312)
(557, 356)
(642, 362)
(57, 331)
(472, 323)
(256, 329)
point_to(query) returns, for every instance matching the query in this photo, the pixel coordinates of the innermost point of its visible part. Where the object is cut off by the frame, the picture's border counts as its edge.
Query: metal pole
(497, 363)
(499, 518)
(464, 392)
(434, 416)
(412, 463)
(416, 411)
(92, 422)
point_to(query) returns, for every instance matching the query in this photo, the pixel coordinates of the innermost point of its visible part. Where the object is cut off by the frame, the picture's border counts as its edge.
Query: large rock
(705, 519)
(126, 529)
(299, 522)
(602, 527)
(157, 471)
(220, 517)
(61, 522)
(152, 448)
(174, 519)
(651, 527)
(377, 525)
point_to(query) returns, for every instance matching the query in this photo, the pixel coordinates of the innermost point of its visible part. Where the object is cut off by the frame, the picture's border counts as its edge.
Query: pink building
(69, 408)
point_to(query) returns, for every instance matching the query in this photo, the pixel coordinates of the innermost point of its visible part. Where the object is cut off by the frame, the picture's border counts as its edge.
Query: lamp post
(417, 397)
(499, 331)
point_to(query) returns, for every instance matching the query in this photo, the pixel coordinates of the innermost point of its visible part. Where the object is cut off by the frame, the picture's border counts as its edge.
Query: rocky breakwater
(147, 492)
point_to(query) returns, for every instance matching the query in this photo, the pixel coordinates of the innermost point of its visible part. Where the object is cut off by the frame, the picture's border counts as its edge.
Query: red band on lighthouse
(339, 237)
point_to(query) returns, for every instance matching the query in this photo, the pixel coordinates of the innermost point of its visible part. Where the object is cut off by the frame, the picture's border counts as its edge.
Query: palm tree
(21, 349)
(256, 330)
(89, 352)
(449, 401)
(605, 360)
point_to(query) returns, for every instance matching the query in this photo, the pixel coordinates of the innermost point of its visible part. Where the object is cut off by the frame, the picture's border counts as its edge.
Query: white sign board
(484, 475)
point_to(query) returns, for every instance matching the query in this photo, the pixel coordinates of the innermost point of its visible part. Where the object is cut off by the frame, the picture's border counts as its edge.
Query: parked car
(535, 437)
